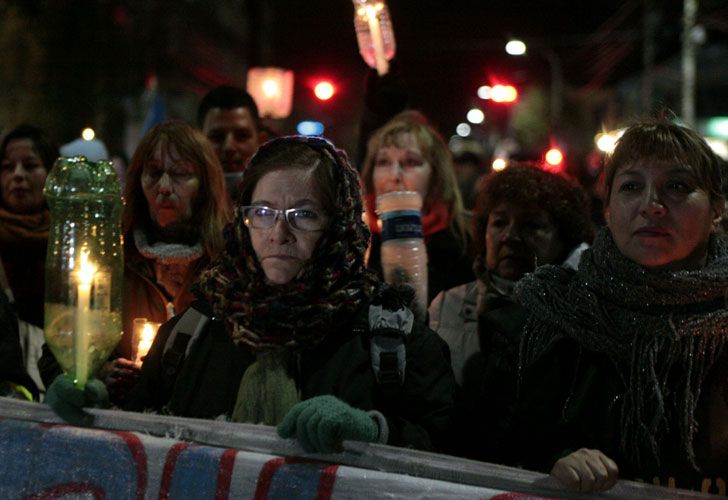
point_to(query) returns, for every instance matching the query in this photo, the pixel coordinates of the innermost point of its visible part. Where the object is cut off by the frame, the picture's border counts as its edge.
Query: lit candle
(377, 41)
(146, 337)
(85, 277)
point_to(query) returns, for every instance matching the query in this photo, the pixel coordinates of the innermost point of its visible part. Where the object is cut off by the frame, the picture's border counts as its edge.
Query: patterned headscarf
(332, 285)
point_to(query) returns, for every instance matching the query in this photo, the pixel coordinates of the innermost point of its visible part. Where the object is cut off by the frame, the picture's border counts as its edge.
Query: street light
(518, 47)
(475, 116)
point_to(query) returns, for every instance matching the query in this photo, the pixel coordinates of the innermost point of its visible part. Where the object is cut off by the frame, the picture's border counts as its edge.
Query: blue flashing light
(310, 128)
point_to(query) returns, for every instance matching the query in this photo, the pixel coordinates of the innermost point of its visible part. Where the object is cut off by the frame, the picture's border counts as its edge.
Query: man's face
(233, 134)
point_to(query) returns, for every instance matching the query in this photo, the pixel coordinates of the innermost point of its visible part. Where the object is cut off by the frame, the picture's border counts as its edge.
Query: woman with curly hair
(285, 317)
(525, 217)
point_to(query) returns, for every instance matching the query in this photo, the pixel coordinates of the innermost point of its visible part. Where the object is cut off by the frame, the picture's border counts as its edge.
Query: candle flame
(369, 10)
(86, 269)
(146, 339)
(148, 333)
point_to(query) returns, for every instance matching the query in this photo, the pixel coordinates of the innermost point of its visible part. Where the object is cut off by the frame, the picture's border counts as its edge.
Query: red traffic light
(324, 90)
(554, 160)
(503, 93)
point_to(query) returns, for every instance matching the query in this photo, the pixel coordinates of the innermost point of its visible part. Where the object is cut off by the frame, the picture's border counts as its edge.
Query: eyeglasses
(304, 219)
(177, 175)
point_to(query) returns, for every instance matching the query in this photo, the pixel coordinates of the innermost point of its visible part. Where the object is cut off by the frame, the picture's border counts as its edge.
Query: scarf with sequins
(331, 287)
(651, 325)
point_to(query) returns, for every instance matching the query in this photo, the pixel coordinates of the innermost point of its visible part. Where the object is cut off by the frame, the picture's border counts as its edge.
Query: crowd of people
(551, 343)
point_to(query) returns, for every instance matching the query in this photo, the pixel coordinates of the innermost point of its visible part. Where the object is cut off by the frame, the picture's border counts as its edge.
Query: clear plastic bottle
(365, 26)
(404, 256)
(84, 265)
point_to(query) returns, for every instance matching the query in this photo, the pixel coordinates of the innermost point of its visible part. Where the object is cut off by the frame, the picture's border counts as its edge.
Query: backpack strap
(180, 341)
(387, 332)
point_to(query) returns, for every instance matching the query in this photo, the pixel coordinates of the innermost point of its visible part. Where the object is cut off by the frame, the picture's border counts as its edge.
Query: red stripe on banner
(174, 452)
(266, 476)
(139, 455)
(511, 495)
(326, 483)
(225, 474)
(62, 490)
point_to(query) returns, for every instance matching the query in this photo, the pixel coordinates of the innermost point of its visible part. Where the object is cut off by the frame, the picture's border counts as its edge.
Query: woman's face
(22, 177)
(519, 237)
(659, 216)
(401, 168)
(281, 249)
(170, 186)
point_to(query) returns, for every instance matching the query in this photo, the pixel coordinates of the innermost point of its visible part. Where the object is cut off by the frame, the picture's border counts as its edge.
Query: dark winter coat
(418, 413)
(144, 298)
(11, 356)
(568, 400)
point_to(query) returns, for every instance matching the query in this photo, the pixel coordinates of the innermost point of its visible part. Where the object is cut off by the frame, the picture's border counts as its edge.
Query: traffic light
(500, 93)
(504, 93)
(324, 90)
(554, 160)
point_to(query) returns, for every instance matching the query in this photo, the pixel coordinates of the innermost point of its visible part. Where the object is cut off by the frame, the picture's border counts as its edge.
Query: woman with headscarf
(623, 361)
(293, 324)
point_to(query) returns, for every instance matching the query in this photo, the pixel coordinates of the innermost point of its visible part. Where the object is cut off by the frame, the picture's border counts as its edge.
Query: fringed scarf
(662, 330)
(171, 261)
(332, 286)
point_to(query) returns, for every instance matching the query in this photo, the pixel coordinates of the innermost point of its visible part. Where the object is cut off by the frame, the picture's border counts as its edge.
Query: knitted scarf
(332, 285)
(662, 331)
(24, 227)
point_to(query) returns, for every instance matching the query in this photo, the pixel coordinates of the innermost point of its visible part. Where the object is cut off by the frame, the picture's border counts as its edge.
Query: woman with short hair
(623, 361)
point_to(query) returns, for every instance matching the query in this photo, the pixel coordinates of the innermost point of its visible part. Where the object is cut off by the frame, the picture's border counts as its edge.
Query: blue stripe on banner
(195, 473)
(58, 456)
(296, 481)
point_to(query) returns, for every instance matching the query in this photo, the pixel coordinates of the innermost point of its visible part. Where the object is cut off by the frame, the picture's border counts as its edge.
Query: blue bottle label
(401, 224)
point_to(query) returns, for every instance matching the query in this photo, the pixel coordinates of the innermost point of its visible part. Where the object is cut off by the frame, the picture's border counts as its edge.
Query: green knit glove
(68, 401)
(323, 422)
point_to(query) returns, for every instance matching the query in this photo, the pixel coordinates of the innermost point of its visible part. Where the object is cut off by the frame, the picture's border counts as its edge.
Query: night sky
(447, 49)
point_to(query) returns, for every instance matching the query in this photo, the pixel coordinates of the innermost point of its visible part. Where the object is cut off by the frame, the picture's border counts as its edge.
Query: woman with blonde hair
(408, 154)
